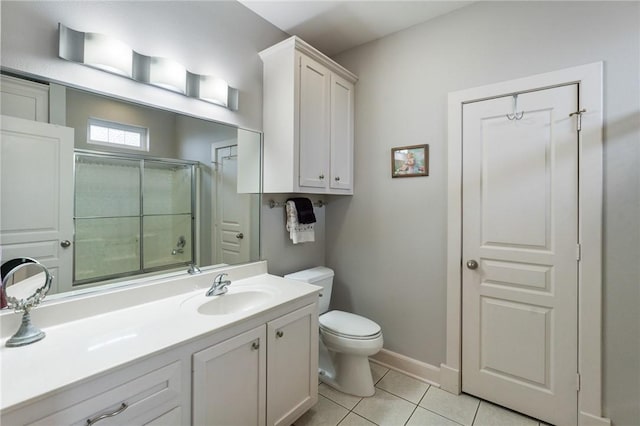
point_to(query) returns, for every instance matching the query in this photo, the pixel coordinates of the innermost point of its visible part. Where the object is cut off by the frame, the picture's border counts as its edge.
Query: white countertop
(75, 350)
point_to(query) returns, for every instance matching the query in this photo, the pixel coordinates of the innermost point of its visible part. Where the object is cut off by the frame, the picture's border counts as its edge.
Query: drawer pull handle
(279, 333)
(95, 420)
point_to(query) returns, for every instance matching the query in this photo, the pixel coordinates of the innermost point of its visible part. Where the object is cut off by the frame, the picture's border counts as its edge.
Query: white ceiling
(335, 26)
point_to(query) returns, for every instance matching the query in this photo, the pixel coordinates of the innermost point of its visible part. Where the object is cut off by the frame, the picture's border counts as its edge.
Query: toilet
(346, 340)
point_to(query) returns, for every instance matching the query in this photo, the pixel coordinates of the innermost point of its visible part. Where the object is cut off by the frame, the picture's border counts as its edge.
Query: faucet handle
(218, 279)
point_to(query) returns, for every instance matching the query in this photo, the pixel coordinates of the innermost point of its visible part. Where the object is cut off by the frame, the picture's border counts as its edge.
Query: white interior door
(233, 211)
(36, 184)
(520, 225)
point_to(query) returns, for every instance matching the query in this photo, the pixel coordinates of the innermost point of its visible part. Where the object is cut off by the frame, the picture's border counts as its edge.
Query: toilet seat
(349, 326)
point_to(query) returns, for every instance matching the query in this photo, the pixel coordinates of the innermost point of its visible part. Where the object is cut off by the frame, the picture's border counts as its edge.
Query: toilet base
(350, 374)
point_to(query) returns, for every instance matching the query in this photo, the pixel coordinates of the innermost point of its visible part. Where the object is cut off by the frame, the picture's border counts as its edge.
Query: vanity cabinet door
(292, 365)
(229, 381)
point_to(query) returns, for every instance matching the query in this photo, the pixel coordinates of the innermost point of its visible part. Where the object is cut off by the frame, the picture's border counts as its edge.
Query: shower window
(131, 215)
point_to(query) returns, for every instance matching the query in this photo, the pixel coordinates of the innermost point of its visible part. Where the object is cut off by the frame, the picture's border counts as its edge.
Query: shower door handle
(65, 243)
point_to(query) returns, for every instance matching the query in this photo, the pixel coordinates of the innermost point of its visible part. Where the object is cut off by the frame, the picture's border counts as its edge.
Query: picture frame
(410, 161)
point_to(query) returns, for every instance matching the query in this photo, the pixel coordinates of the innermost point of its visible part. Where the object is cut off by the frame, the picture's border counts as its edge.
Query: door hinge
(578, 251)
(577, 381)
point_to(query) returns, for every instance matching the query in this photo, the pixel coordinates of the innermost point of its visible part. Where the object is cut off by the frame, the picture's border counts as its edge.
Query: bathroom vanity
(169, 355)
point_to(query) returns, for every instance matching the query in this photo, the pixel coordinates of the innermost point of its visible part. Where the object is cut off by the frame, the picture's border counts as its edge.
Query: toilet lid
(347, 324)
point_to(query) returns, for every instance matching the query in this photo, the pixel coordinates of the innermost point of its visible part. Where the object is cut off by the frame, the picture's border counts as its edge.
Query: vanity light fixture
(213, 89)
(168, 74)
(105, 53)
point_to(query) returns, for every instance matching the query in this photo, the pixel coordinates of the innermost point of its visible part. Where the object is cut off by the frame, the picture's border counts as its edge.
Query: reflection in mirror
(25, 282)
(139, 191)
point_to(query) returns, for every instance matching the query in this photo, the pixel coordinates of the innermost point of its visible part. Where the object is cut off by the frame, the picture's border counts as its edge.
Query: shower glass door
(132, 215)
(167, 227)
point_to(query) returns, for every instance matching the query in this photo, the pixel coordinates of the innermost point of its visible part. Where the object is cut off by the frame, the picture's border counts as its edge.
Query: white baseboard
(409, 366)
(587, 419)
(450, 379)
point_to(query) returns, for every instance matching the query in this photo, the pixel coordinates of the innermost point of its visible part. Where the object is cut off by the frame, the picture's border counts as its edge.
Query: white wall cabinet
(308, 121)
(267, 375)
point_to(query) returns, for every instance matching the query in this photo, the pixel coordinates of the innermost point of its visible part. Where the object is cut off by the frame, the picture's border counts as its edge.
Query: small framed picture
(410, 161)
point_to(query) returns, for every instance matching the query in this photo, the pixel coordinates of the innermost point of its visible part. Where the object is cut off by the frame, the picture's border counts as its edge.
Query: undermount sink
(233, 303)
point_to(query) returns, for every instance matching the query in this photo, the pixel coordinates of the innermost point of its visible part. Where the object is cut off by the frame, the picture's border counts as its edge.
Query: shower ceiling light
(103, 52)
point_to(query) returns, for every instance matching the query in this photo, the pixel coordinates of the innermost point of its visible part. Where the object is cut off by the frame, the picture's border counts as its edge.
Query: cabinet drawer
(138, 400)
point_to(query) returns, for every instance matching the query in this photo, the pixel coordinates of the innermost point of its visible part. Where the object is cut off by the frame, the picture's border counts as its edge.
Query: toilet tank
(320, 276)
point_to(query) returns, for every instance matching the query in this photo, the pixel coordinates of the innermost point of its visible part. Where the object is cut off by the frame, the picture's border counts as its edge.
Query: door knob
(239, 235)
(65, 243)
(472, 264)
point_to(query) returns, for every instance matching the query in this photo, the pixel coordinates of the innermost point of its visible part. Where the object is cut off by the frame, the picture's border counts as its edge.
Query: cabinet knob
(279, 333)
(255, 346)
(65, 243)
(321, 177)
(239, 235)
(337, 178)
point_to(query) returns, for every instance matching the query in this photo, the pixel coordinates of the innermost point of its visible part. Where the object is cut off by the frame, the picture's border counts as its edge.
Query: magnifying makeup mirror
(25, 282)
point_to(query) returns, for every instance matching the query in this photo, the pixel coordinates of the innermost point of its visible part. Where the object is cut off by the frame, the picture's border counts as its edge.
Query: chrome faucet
(193, 269)
(219, 286)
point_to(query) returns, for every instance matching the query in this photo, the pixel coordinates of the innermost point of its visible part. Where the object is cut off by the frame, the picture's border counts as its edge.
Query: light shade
(168, 74)
(108, 54)
(213, 89)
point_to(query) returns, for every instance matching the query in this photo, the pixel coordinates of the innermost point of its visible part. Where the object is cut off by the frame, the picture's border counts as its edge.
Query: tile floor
(402, 400)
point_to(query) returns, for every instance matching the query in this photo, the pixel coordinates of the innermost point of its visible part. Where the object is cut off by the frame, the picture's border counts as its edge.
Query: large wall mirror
(131, 191)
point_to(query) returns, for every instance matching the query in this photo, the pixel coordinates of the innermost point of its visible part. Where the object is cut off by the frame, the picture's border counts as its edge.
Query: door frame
(590, 195)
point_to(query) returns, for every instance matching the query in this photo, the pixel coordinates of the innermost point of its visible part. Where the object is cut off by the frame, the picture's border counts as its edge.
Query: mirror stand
(26, 334)
(25, 282)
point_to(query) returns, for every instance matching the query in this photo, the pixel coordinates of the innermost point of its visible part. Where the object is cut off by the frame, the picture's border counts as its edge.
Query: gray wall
(219, 38)
(282, 255)
(387, 242)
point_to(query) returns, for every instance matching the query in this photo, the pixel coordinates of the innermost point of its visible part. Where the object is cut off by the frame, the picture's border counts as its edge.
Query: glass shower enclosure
(131, 215)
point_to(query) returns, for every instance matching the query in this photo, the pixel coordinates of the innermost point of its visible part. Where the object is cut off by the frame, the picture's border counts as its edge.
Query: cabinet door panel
(229, 381)
(314, 124)
(292, 342)
(342, 98)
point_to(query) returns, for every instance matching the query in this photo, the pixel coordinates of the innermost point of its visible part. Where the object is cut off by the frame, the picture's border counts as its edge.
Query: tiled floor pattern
(402, 400)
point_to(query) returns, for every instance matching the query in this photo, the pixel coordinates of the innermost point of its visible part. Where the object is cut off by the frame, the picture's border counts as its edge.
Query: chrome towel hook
(516, 115)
